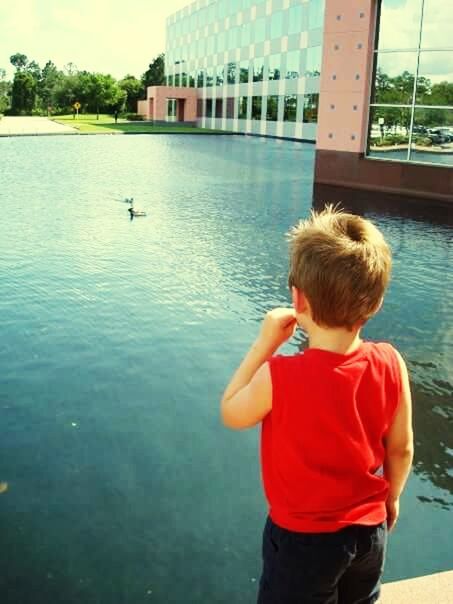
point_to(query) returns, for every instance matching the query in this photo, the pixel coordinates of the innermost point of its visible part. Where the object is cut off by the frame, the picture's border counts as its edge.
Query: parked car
(439, 136)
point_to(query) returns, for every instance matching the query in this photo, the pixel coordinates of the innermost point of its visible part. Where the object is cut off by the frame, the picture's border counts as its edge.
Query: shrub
(423, 141)
(135, 117)
(391, 139)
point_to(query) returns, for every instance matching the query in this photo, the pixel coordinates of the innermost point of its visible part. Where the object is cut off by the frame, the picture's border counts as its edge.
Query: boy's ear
(379, 306)
(299, 300)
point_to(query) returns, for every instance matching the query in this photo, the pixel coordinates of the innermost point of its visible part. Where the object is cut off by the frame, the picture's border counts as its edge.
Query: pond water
(117, 340)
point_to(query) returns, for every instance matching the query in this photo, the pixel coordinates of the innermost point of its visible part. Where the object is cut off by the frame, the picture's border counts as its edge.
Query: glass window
(177, 79)
(201, 47)
(233, 38)
(432, 136)
(277, 24)
(221, 9)
(437, 31)
(218, 108)
(258, 70)
(200, 79)
(256, 107)
(210, 13)
(314, 58)
(231, 73)
(230, 107)
(221, 45)
(184, 79)
(275, 67)
(208, 107)
(219, 75)
(293, 64)
(315, 14)
(435, 78)
(259, 30)
(430, 108)
(389, 132)
(171, 110)
(245, 34)
(202, 17)
(272, 108)
(170, 80)
(311, 103)
(394, 80)
(295, 20)
(192, 79)
(199, 108)
(242, 110)
(399, 24)
(290, 108)
(244, 72)
(209, 76)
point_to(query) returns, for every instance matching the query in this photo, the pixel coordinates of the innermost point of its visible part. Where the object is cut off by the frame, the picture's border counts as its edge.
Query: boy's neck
(339, 340)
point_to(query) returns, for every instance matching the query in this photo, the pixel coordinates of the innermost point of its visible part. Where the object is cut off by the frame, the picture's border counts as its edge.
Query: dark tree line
(40, 91)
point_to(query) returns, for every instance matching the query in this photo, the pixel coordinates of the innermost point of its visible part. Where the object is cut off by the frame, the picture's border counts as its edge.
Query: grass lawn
(87, 123)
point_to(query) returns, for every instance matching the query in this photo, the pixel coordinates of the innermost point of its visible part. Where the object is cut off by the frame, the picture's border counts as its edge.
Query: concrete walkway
(432, 589)
(22, 126)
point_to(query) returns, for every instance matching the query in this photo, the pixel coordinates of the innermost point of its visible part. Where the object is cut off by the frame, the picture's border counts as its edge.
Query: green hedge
(135, 117)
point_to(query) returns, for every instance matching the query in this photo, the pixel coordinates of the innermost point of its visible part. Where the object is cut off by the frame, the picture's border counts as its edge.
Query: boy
(336, 440)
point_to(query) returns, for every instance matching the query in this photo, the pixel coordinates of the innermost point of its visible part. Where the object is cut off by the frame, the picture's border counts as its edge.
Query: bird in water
(134, 211)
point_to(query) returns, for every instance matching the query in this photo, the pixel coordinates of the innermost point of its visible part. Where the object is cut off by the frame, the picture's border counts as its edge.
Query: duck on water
(134, 211)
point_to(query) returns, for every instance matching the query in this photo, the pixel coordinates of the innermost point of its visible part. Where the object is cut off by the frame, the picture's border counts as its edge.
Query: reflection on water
(118, 338)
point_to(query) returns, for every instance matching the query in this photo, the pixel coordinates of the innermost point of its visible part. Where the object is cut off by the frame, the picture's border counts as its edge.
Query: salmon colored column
(345, 75)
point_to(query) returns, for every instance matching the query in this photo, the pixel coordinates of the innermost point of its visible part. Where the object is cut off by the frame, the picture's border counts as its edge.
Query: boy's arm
(399, 447)
(248, 397)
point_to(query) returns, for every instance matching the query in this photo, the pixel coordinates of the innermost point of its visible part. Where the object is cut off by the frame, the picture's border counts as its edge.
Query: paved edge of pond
(77, 133)
(431, 589)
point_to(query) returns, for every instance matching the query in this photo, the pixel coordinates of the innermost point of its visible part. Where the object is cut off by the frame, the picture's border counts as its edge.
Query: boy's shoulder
(381, 352)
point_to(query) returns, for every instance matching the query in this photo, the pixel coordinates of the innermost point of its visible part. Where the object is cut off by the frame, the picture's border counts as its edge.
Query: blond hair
(342, 264)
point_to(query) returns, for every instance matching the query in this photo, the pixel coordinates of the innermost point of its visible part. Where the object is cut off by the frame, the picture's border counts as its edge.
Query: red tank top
(322, 444)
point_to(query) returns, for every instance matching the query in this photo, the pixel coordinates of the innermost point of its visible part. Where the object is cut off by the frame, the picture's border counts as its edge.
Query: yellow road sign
(77, 105)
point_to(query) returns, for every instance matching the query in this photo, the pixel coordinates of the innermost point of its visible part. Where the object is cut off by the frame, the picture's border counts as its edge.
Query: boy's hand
(393, 511)
(278, 326)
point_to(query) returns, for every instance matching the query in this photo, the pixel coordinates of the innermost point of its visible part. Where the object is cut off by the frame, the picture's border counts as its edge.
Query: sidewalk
(432, 589)
(22, 126)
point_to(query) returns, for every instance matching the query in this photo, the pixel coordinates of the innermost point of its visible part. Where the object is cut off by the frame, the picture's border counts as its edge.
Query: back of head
(342, 264)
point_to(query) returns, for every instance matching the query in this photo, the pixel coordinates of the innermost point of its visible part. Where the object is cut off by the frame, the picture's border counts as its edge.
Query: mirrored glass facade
(257, 62)
(411, 113)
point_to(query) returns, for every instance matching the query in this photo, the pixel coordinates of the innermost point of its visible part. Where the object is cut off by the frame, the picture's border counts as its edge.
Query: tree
(70, 69)
(155, 74)
(441, 94)
(5, 91)
(18, 60)
(23, 97)
(133, 89)
(103, 92)
(34, 69)
(49, 79)
(118, 100)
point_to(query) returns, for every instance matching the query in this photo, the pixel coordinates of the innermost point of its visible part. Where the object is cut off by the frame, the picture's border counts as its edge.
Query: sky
(107, 36)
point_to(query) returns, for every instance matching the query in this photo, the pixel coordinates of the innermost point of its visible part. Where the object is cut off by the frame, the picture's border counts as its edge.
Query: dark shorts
(322, 568)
